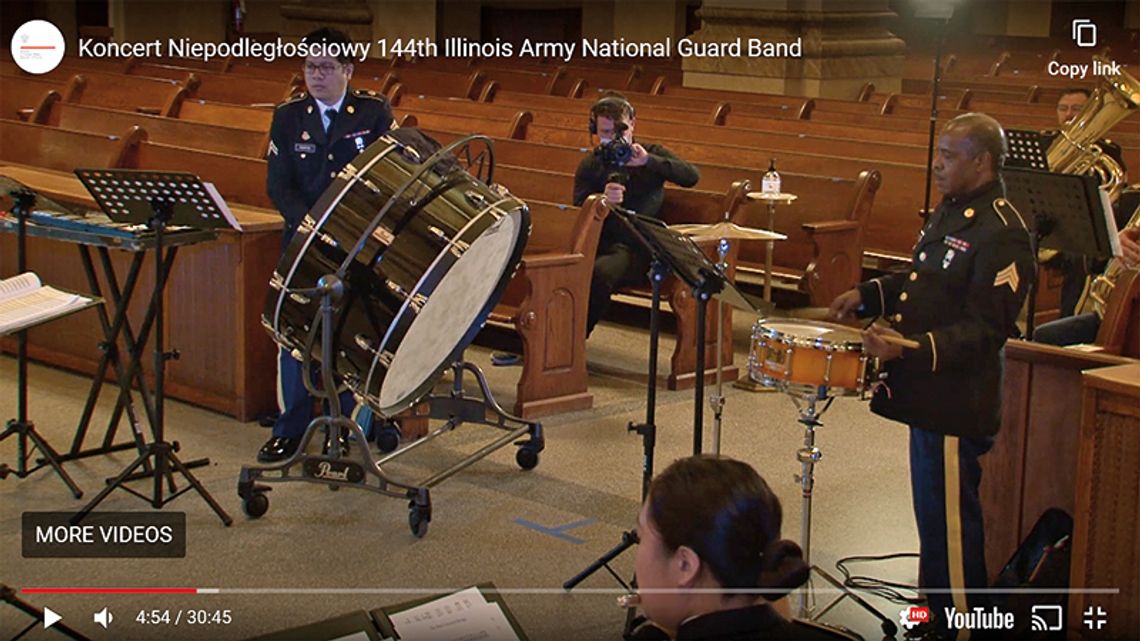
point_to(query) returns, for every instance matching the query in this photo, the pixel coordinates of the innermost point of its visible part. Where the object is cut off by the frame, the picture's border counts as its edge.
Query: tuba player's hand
(1130, 246)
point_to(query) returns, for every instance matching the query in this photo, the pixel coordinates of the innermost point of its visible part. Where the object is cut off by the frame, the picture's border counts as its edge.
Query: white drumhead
(450, 311)
(812, 330)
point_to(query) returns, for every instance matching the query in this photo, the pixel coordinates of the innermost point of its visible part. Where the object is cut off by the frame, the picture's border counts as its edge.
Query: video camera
(617, 152)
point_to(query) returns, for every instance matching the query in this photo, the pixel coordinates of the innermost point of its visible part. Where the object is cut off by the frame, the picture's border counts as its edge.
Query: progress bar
(443, 590)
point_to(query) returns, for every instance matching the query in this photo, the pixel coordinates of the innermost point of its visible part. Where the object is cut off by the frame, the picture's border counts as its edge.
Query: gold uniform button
(969, 213)
(898, 318)
(903, 296)
(914, 275)
(922, 256)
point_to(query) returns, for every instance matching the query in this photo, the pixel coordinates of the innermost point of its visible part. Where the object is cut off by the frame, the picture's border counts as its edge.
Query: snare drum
(424, 256)
(808, 357)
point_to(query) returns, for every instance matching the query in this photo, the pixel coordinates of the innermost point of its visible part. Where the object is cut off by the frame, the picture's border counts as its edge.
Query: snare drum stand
(808, 456)
(330, 468)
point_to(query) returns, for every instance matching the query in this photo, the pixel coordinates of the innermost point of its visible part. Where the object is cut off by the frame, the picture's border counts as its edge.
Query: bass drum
(424, 250)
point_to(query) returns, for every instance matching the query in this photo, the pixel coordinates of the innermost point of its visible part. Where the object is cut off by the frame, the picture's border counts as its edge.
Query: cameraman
(631, 175)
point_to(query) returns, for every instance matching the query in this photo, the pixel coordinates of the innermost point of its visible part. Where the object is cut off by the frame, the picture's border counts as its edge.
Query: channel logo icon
(914, 615)
(37, 46)
(1046, 618)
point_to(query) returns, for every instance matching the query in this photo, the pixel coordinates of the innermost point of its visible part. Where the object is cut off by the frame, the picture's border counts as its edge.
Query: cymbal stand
(808, 456)
(717, 399)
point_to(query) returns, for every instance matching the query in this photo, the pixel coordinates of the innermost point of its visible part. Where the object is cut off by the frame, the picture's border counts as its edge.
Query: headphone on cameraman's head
(610, 102)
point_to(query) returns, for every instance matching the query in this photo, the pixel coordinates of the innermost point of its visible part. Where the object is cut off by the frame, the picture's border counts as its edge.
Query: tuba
(1074, 150)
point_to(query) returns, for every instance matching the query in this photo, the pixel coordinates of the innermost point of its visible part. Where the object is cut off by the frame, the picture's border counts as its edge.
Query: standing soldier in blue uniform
(313, 136)
(971, 270)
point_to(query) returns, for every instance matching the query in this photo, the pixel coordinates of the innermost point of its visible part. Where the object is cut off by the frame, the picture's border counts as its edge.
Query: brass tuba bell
(1074, 150)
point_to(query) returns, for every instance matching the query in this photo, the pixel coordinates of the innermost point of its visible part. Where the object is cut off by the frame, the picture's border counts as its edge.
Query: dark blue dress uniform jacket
(303, 158)
(971, 271)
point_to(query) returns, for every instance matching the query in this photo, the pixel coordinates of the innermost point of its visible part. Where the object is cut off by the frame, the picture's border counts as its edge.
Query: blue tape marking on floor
(558, 532)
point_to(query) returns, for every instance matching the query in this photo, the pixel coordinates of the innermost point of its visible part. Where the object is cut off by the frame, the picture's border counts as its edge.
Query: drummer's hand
(639, 157)
(1130, 245)
(844, 305)
(879, 348)
(615, 193)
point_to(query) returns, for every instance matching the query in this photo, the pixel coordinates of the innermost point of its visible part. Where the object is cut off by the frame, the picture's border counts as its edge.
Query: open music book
(25, 301)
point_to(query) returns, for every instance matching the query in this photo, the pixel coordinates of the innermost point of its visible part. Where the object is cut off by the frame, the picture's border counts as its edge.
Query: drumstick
(898, 340)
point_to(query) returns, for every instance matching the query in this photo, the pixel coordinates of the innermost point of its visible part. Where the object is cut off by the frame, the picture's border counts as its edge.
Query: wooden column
(844, 46)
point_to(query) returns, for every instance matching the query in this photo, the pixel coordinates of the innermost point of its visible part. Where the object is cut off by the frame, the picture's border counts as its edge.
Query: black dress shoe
(277, 448)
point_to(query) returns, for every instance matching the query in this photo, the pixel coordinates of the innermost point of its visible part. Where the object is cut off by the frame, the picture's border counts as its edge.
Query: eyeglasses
(322, 70)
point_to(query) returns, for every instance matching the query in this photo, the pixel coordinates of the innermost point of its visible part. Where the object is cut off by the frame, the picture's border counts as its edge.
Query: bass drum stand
(808, 456)
(337, 470)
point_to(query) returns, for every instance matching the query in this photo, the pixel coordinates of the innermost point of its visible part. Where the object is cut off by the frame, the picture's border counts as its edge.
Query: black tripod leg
(181, 468)
(111, 485)
(628, 539)
(52, 458)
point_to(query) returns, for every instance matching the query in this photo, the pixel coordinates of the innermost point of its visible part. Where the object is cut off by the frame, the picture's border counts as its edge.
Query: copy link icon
(913, 615)
(1084, 32)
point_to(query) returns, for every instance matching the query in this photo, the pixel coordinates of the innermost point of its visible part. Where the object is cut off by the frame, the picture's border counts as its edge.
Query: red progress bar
(109, 590)
(36, 47)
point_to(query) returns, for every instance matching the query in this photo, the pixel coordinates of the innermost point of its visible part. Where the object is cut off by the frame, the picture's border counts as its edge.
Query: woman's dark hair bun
(783, 568)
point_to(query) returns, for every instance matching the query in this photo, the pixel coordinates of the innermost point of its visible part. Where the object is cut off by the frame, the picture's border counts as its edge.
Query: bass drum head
(454, 312)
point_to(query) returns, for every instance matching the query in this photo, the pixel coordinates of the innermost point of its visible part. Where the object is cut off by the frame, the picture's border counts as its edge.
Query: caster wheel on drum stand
(418, 519)
(256, 505)
(527, 458)
(388, 437)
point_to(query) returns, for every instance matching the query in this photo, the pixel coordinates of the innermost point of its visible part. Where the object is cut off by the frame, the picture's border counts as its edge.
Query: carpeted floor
(491, 522)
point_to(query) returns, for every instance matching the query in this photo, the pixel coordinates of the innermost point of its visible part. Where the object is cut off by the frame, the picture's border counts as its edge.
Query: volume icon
(104, 618)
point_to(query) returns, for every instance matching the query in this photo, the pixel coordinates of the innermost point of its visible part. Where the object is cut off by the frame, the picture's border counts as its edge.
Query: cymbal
(725, 229)
(778, 198)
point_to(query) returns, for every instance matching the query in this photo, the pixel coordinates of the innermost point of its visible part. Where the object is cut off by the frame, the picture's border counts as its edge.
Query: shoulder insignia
(367, 93)
(1008, 213)
(294, 99)
(1008, 276)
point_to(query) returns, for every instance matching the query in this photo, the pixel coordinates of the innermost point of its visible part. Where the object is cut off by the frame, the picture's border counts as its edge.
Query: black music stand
(157, 199)
(23, 201)
(1065, 212)
(675, 253)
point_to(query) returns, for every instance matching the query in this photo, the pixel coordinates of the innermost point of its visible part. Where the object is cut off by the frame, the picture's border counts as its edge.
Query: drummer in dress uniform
(313, 136)
(959, 301)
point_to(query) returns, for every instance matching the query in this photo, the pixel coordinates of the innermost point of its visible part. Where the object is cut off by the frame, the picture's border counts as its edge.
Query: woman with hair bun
(710, 558)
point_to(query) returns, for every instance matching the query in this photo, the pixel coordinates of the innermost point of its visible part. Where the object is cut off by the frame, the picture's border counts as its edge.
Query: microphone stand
(933, 116)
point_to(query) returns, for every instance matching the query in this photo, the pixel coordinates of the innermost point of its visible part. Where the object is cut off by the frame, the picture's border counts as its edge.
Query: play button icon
(50, 618)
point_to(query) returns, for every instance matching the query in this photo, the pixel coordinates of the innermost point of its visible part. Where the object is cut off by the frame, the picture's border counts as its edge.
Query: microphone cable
(892, 591)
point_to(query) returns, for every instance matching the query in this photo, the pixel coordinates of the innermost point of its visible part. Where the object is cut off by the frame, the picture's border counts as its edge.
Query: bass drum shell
(423, 258)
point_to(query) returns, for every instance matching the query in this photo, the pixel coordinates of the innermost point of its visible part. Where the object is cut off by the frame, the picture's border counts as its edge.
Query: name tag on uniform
(361, 133)
(305, 148)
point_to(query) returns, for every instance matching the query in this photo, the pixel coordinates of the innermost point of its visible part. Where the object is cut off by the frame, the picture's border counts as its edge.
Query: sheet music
(25, 301)
(1110, 223)
(463, 616)
(220, 203)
